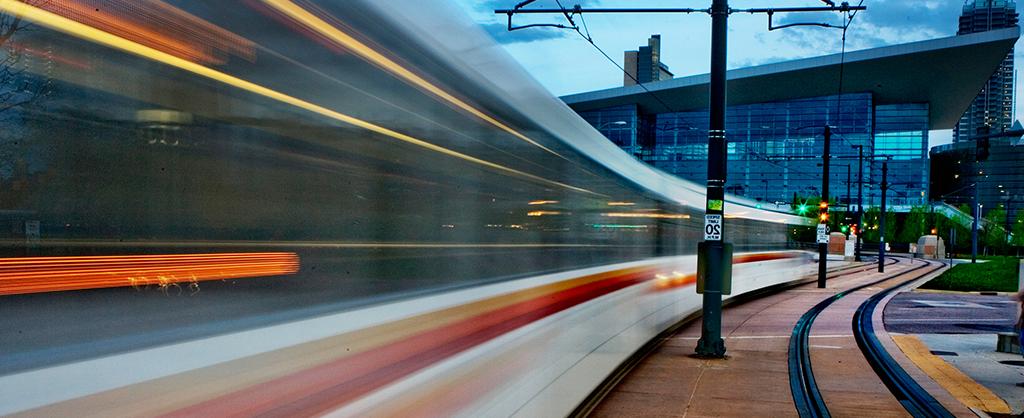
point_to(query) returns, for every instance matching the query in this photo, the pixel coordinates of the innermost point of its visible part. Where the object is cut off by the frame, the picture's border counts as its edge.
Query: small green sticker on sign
(715, 205)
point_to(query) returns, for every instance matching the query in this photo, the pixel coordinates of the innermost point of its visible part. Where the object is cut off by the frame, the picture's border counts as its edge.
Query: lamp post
(860, 201)
(976, 208)
(846, 216)
(823, 210)
(822, 234)
(881, 219)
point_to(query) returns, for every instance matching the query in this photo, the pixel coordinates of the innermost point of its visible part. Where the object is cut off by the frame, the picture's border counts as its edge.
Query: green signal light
(802, 209)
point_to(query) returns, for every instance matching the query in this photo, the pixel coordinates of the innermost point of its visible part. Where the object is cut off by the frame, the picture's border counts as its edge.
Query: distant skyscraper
(994, 104)
(645, 65)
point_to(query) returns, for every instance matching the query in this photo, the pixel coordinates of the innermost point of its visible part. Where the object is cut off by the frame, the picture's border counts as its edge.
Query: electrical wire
(842, 65)
(590, 40)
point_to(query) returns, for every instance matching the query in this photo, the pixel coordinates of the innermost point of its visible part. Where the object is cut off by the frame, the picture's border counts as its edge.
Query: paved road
(950, 313)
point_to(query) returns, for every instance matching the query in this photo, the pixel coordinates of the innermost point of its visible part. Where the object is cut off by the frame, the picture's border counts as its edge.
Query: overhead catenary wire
(842, 65)
(568, 15)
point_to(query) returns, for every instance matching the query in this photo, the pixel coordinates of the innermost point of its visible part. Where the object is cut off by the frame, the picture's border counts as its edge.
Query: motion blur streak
(448, 268)
(52, 274)
(157, 25)
(305, 17)
(327, 386)
(647, 215)
(89, 33)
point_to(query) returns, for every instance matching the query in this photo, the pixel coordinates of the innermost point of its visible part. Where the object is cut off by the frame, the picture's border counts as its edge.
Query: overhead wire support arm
(579, 9)
(771, 11)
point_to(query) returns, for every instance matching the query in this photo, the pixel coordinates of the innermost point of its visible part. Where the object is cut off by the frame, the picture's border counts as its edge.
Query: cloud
(501, 33)
(883, 23)
(497, 25)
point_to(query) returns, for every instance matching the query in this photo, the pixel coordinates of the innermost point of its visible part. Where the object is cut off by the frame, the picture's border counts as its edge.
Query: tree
(993, 235)
(872, 225)
(915, 225)
(1018, 229)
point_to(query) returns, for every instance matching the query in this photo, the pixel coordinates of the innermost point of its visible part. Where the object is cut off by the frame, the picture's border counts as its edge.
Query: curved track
(806, 395)
(911, 395)
(596, 396)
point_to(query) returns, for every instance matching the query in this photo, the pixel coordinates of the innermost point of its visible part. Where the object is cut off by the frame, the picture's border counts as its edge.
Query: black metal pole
(823, 210)
(846, 216)
(952, 242)
(976, 211)
(860, 201)
(881, 219)
(711, 343)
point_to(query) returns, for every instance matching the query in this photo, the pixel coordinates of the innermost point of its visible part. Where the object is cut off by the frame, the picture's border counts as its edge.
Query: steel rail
(806, 396)
(915, 399)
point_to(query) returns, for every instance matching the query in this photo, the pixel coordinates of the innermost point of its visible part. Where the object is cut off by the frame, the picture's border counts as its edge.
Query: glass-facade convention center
(891, 97)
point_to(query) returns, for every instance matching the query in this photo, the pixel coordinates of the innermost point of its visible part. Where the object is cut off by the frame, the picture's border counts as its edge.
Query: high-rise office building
(644, 65)
(994, 104)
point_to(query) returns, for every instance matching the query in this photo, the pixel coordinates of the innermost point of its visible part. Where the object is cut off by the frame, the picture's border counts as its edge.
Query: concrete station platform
(754, 378)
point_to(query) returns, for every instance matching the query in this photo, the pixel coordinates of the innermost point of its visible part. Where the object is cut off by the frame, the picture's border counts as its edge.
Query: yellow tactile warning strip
(961, 386)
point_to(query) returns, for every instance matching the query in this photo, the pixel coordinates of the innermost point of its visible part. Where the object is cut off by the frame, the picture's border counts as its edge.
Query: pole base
(710, 349)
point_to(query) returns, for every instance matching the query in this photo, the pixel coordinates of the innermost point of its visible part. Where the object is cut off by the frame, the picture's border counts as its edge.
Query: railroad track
(806, 395)
(598, 394)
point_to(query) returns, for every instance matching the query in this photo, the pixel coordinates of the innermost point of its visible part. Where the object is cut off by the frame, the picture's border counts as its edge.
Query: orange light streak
(53, 274)
(157, 25)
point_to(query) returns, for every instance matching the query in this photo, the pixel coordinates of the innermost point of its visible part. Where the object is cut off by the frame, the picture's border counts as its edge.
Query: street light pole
(974, 225)
(860, 201)
(846, 216)
(716, 252)
(881, 219)
(823, 210)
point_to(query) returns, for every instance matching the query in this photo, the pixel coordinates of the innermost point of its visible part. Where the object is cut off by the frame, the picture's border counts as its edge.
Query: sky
(565, 63)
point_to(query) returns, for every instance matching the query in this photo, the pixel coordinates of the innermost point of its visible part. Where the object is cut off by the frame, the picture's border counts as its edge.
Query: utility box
(708, 255)
(931, 246)
(837, 243)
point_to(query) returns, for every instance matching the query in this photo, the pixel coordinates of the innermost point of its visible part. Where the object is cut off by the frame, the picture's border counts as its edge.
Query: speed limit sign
(712, 227)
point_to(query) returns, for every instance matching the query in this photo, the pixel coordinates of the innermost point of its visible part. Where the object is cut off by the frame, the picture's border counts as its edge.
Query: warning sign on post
(712, 227)
(822, 234)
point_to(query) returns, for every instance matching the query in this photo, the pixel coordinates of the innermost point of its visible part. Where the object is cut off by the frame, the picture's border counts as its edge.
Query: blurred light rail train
(297, 207)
